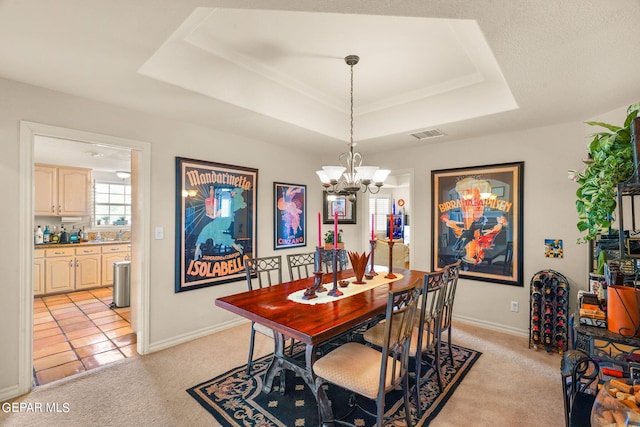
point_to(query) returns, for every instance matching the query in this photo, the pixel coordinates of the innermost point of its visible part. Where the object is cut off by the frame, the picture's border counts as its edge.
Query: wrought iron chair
(425, 339)
(349, 366)
(580, 376)
(301, 265)
(261, 273)
(453, 272)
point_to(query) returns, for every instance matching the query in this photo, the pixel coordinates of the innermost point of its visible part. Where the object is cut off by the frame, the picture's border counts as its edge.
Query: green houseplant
(610, 162)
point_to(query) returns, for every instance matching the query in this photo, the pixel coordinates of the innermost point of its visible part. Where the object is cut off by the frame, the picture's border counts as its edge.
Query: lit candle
(319, 231)
(391, 227)
(373, 226)
(335, 229)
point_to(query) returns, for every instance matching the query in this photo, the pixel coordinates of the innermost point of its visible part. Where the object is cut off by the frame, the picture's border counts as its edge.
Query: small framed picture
(340, 204)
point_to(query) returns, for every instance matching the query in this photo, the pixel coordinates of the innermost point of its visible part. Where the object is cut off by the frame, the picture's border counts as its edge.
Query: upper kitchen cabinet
(61, 191)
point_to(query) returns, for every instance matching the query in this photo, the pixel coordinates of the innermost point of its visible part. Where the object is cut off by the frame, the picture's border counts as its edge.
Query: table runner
(350, 290)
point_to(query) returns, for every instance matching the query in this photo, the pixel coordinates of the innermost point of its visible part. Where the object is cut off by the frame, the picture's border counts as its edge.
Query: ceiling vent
(428, 134)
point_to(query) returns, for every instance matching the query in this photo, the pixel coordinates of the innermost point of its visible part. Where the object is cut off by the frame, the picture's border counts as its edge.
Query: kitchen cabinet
(38, 272)
(111, 254)
(88, 265)
(61, 191)
(59, 270)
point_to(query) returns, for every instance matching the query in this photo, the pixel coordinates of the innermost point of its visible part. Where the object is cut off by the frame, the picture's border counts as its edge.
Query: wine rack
(549, 307)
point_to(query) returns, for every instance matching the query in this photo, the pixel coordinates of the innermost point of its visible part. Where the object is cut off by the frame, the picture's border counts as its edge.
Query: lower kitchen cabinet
(88, 267)
(59, 270)
(38, 272)
(69, 268)
(111, 254)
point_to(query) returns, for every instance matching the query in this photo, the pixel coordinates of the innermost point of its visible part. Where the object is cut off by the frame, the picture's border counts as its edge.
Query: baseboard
(180, 339)
(10, 392)
(493, 326)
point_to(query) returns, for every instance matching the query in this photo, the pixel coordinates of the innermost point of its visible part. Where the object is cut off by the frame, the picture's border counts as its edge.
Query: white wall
(549, 210)
(172, 316)
(548, 202)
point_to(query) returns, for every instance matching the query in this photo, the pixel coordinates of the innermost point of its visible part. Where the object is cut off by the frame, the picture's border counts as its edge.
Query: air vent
(428, 134)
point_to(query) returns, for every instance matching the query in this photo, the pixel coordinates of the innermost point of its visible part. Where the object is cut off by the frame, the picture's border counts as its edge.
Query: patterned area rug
(235, 398)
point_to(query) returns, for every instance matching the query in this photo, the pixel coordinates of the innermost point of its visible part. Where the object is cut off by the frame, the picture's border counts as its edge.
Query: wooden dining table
(312, 325)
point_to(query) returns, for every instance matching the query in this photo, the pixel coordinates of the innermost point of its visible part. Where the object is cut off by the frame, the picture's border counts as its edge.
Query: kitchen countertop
(89, 243)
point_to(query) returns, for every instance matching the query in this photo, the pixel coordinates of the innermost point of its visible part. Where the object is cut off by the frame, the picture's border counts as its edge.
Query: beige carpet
(509, 385)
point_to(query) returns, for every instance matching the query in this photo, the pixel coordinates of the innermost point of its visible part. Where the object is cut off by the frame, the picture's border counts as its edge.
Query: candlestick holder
(335, 292)
(371, 271)
(310, 292)
(390, 274)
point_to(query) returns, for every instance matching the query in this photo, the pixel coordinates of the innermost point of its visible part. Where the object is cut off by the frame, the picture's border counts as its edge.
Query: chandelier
(351, 177)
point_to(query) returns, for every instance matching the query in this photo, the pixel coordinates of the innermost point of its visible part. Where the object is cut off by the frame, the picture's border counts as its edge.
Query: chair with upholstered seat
(301, 265)
(370, 372)
(453, 272)
(580, 376)
(261, 273)
(425, 339)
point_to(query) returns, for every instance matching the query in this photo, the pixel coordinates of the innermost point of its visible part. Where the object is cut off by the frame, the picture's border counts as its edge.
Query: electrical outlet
(514, 306)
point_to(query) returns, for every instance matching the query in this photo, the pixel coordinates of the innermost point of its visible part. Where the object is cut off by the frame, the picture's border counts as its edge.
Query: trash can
(121, 284)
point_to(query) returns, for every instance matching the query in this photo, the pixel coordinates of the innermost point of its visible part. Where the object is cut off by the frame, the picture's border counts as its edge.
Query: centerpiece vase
(359, 264)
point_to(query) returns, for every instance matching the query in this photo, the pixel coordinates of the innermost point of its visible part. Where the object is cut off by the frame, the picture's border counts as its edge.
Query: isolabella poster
(216, 222)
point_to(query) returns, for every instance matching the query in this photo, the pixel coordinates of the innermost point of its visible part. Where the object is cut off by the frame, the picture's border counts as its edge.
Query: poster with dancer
(477, 218)
(215, 222)
(289, 215)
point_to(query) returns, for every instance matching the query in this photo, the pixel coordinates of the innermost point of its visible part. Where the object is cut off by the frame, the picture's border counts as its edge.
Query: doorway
(140, 185)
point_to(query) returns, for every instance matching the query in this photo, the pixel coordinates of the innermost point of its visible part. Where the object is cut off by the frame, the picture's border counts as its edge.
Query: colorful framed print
(477, 218)
(342, 204)
(290, 213)
(215, 222)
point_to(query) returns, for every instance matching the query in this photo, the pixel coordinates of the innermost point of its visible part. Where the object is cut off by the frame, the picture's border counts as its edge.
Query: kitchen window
(380, 208)
(111, 204)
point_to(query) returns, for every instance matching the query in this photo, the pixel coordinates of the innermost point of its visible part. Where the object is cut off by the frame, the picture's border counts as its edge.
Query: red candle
(373, 226)
(335, 229)
(319, 231)
(391, 227)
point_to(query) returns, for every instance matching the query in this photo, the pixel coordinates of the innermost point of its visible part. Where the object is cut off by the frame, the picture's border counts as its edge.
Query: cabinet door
(107, 265)
(73, 191)
(59, 274)
(46, 190)
(38, 276)
(88, 268)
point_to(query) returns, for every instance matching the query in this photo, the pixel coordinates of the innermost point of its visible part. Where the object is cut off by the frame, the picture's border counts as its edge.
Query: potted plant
(329, 242)
(610, 162)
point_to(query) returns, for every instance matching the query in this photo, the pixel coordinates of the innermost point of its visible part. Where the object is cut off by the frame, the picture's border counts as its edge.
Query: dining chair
(261, 273)
(425, 338)
(580, 376)
(453, 272)
(301, 265)
(327, 260)
(353, 365)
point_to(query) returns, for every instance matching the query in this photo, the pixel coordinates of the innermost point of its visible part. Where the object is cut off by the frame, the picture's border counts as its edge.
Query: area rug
(236, 399)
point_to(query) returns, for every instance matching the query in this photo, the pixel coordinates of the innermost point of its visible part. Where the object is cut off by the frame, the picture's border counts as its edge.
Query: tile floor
(76, 332)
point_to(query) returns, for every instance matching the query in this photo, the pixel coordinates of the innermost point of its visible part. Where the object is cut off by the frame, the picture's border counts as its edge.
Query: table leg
(276, 364)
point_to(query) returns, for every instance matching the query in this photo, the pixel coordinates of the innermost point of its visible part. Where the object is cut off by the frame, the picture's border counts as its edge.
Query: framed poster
(290, 213)
(215, 222)
(342, 204)
(477, 217)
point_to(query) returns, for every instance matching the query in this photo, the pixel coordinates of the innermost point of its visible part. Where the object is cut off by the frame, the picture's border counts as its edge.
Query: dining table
(314, 323)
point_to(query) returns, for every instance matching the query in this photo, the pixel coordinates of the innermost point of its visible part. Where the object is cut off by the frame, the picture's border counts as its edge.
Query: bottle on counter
(73, 235)
(55, 238)
(39, 236)
(46, 235)
(64, 236)
(80, 235)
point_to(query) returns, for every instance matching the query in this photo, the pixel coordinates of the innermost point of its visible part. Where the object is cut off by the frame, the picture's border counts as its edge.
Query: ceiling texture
(274, 70)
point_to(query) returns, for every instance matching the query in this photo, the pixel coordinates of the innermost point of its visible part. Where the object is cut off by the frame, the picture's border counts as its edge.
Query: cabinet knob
(53, 209)
(71, 263)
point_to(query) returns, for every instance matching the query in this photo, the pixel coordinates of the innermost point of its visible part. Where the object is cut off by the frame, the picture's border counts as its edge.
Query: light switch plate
(159, 233)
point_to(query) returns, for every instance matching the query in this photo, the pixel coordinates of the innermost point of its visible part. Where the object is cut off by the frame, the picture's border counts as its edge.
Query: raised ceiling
(273, 70)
